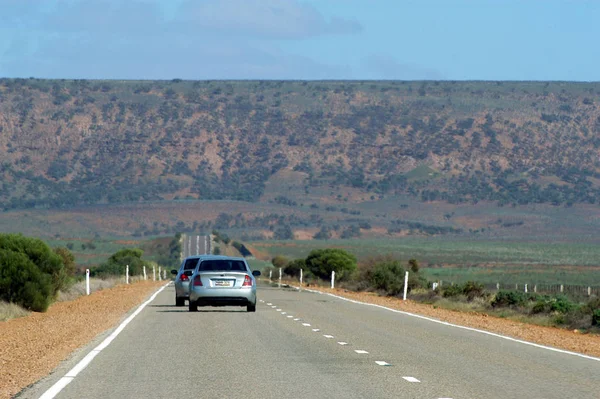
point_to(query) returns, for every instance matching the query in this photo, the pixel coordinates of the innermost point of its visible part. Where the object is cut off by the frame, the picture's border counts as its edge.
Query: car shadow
(201, 311)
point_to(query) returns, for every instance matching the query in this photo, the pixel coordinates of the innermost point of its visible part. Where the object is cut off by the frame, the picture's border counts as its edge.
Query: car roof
(214, 257)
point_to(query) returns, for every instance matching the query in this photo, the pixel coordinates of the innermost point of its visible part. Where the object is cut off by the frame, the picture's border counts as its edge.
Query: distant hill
(66, 143)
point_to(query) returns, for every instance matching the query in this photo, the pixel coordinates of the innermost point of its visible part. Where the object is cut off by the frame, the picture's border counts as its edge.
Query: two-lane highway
(304, 344)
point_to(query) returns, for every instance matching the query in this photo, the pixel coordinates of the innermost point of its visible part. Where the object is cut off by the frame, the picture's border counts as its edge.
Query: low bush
(509, 299)
(470, 290)
(596, 317)
(453, 291)
(562, 304)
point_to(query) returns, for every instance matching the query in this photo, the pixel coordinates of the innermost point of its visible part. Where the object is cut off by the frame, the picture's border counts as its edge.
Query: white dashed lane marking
(411, 379)
(306, 324)
(296, 319)
(269, 304)
(328, 336)
(360, 351)
(316, 330)
(343, 343)
(290, 316)
(279, 310)
(283, 312)
(382, 363)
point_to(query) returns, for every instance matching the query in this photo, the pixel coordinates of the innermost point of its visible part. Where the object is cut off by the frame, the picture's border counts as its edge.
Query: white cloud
(273, 19)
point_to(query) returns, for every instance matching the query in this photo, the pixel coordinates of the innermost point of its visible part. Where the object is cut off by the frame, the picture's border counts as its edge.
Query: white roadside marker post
(300, 277)
(145, 278)
(270, 275)
(280, 277)
(405, 285)
(127, 274)
(332, 279)
(87, 281)
(159, 274)
(153, 273)
(164, 274)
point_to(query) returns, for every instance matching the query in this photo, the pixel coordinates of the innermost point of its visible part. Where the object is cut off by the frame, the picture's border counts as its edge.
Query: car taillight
(184, 278)
(247, 281)
(197, 281)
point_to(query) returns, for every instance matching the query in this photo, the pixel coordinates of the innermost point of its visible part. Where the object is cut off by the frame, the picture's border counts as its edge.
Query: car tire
(251, 308)
(192, 306)
(179, 301)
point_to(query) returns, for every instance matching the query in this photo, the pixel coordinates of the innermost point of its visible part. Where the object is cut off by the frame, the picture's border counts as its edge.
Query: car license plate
(223, 283)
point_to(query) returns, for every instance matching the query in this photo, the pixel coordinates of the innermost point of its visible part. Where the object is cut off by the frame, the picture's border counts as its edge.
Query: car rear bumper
(223, 296)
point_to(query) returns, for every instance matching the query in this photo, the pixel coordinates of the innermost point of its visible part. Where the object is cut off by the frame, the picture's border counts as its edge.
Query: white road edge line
(411, 379)
(382, 363)
(461, 327)
(71, 374)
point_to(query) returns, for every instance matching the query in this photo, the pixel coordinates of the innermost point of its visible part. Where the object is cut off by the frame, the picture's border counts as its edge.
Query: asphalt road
(315, 346)
(195, 244)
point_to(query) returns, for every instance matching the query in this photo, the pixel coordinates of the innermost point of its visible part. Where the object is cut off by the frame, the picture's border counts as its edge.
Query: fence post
(145, 278)
(332, 279)
(127, 274)
(300, 277)
(87, 281)
(280, 277)
(526, 288)
(562, 288)
(153, 273)
(405, 286)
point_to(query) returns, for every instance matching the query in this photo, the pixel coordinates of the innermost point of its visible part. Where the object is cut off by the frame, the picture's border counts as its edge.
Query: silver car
(182, 279)
(222, 281)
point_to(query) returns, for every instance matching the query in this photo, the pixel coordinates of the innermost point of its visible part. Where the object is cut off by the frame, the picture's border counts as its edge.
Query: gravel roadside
(32, 346)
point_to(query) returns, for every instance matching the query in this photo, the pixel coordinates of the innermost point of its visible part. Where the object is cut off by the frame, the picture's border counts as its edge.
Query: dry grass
(96, 284)
(11, 311)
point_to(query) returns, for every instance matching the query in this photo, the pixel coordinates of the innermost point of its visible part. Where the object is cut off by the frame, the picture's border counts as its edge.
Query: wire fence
(567, 289)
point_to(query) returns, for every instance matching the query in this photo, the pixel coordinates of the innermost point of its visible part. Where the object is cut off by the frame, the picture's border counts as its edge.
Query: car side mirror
(188, 272)
(173, 271)
(256, 273)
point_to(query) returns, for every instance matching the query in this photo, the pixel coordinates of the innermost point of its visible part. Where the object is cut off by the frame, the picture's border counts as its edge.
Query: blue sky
(295, 39)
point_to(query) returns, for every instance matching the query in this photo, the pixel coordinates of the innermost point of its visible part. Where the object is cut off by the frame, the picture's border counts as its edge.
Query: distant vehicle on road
(222, 281)
(182, 279)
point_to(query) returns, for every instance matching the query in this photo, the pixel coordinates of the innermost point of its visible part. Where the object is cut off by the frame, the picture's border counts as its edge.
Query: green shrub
(473, 290)
(23, 283)
(453, 291)
(562, 304)
(540, 306)
(116, 264)
(40, 255)
(388, 276)
(596, 317)
(508, 299)
(292, 269)
(321, 262)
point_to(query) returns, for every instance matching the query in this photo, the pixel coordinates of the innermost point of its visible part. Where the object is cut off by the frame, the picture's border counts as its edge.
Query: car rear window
(222, 265)
(190, 264)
